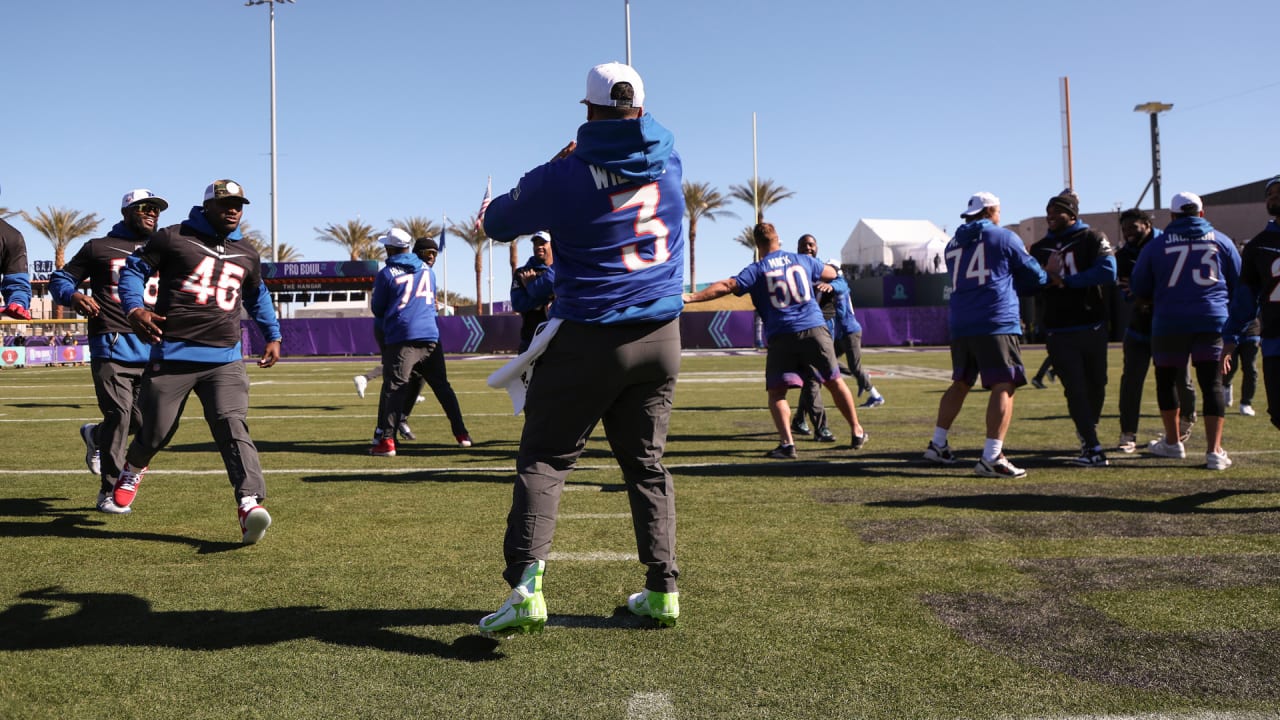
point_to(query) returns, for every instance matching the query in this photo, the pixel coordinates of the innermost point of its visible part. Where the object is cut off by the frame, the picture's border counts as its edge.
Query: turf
(839, 585)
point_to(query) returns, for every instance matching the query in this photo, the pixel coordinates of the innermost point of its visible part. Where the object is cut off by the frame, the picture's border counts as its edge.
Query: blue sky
(387, 108)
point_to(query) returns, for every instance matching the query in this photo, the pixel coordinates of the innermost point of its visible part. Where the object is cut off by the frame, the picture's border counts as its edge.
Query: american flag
(484, 204)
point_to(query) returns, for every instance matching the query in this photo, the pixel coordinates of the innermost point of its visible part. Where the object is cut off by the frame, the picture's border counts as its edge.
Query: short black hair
(1136, 214)
(625, 96)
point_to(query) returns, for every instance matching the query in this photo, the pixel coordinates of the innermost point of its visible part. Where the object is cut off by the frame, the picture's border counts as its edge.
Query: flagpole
(627, 4)
(491, 277)
(445, 260)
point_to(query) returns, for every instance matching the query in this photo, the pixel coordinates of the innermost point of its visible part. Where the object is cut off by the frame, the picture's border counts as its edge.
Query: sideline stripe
(650, 706)
(592, 556)
(1206, 715)
(336, 416)
(594, 516)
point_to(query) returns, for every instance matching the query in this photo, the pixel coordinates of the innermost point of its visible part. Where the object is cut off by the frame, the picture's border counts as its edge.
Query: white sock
(875, 394)
(247, 502)
(939, 437)
(991, 450)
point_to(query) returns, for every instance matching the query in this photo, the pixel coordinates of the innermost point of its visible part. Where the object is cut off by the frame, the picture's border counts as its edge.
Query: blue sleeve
(746, 279)
(1102, 272)
(541, 287)
(1141, 284)
(379, 300)
(522, 210)
(1243, 309)
(1231, 267)
(133, 282)
(65, 282)
(1028, 276)
(16, 288)
(263, 312)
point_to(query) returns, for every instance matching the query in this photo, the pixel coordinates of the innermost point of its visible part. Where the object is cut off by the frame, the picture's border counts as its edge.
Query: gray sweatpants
(224, 392)
(624, 375)
(117, 386)
(402, 371)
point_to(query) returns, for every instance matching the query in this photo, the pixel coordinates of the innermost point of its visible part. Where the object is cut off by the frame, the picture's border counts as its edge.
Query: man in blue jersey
(15, 281)
(1189, 274)
(209, 275)
(1081, 265)
(1137, 228)
(989, 268)
(800, 346)
(532, 287)
(613, 201)
(1258, 296)
(118, 355)
(404, 312)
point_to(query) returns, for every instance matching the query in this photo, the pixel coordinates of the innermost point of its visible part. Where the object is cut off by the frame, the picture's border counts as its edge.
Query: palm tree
(700, 201)
(747, 240)
(62, 226)
(769, 195)
(470, 231)
(6, 213)
(287, 252)
(356, 236)
(417, 226)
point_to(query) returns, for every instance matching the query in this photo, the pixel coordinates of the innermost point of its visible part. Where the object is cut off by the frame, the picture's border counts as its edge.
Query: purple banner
(321, 269)
(501, 333)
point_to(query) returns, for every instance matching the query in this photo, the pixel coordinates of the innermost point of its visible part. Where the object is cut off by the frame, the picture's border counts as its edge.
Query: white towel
(514, 377)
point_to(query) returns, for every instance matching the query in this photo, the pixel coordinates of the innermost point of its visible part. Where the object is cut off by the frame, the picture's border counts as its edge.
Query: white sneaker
(1128, 442)
(254, 521)
(361, 382)
(1160, 448)
(1001, 468)
(1217, 460)
(1247, 410)
(420, 399)
(108, 505)
(940, 455)
(92, 457)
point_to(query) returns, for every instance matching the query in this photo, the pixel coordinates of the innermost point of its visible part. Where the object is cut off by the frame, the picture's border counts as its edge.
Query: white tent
(890, 242)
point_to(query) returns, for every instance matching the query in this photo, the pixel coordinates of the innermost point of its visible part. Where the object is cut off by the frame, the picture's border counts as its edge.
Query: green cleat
(525, 611)
(664, 608)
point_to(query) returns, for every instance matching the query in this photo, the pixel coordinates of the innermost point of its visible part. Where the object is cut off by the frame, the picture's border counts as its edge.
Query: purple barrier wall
(501, 333)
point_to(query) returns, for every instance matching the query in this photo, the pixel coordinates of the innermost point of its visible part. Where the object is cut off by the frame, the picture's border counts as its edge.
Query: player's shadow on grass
(79, 525)
(1052, 503)
(119, 619)
(46, 406)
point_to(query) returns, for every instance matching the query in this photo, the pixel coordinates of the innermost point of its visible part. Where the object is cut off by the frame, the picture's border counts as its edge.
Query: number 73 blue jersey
(989, 268)
(1189, 273)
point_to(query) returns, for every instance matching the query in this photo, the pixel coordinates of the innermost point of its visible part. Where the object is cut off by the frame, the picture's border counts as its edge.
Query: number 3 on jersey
(976, 269)
(645, 198)
(226, 292)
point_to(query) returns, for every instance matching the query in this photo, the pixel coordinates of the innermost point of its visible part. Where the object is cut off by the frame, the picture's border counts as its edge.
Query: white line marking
(593, 556)
(650, 706)
(1206, 715)
(594, 516)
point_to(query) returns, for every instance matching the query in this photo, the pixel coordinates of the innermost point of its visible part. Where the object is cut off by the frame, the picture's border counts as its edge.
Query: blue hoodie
(1189, 274)
(846, 322)
(989, 268)
(615, 207)
(404, 301)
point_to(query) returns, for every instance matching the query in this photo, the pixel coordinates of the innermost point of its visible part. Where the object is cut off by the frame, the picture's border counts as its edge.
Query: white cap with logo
(979, 201)
(137, 196)
(396, 238)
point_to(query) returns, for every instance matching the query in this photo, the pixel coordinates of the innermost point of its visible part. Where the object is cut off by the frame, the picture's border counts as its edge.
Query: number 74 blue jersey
(989, 268)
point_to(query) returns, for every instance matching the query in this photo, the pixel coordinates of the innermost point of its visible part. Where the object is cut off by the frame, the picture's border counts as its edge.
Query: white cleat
(362, 383)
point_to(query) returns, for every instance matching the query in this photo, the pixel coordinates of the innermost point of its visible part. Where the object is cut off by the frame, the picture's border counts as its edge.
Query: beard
(1273, 208)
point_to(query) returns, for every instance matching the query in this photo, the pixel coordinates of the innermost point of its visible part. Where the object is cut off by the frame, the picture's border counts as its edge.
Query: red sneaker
(385, 447)
(126, 487)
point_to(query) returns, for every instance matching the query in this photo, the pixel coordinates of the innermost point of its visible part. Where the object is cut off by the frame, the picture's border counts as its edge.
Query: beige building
(1240, 212)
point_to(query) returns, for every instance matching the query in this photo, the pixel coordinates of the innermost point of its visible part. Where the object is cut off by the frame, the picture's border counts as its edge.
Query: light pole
(1154, 109)
(275, 251)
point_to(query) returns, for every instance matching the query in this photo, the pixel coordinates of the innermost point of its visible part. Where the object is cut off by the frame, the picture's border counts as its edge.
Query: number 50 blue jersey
(989, 268)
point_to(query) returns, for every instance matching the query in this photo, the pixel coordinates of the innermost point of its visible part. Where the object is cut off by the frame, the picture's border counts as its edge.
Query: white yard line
(650, 706)
(592, 556)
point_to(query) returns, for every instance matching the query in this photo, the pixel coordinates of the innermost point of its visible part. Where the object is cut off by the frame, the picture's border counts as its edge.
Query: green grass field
(841, 585)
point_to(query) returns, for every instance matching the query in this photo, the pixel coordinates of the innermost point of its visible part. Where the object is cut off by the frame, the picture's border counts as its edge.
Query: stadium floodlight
(275, 251)
(1154, 109)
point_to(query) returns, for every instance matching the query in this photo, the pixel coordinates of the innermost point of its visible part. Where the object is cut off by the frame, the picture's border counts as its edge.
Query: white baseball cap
(542, 235)
(602, 78)
(1185, 202)
(396, 238)
(979, 201)
(137, 196)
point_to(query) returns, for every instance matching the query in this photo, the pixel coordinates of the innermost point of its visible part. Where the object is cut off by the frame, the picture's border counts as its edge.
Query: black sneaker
(1091, 458)
(1037, 383)
(782, 452)
(824, 435)
(859, 441)
(801, 428)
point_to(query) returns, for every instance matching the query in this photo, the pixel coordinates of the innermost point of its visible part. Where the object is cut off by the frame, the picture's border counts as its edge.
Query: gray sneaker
(92, 457)
(782, 452)
(940, 455)
(106, 504)
(1160, 448)
(405, 431)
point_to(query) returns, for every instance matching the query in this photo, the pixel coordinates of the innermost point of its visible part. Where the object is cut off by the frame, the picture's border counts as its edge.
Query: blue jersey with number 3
(781, 287)
(615, 210)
